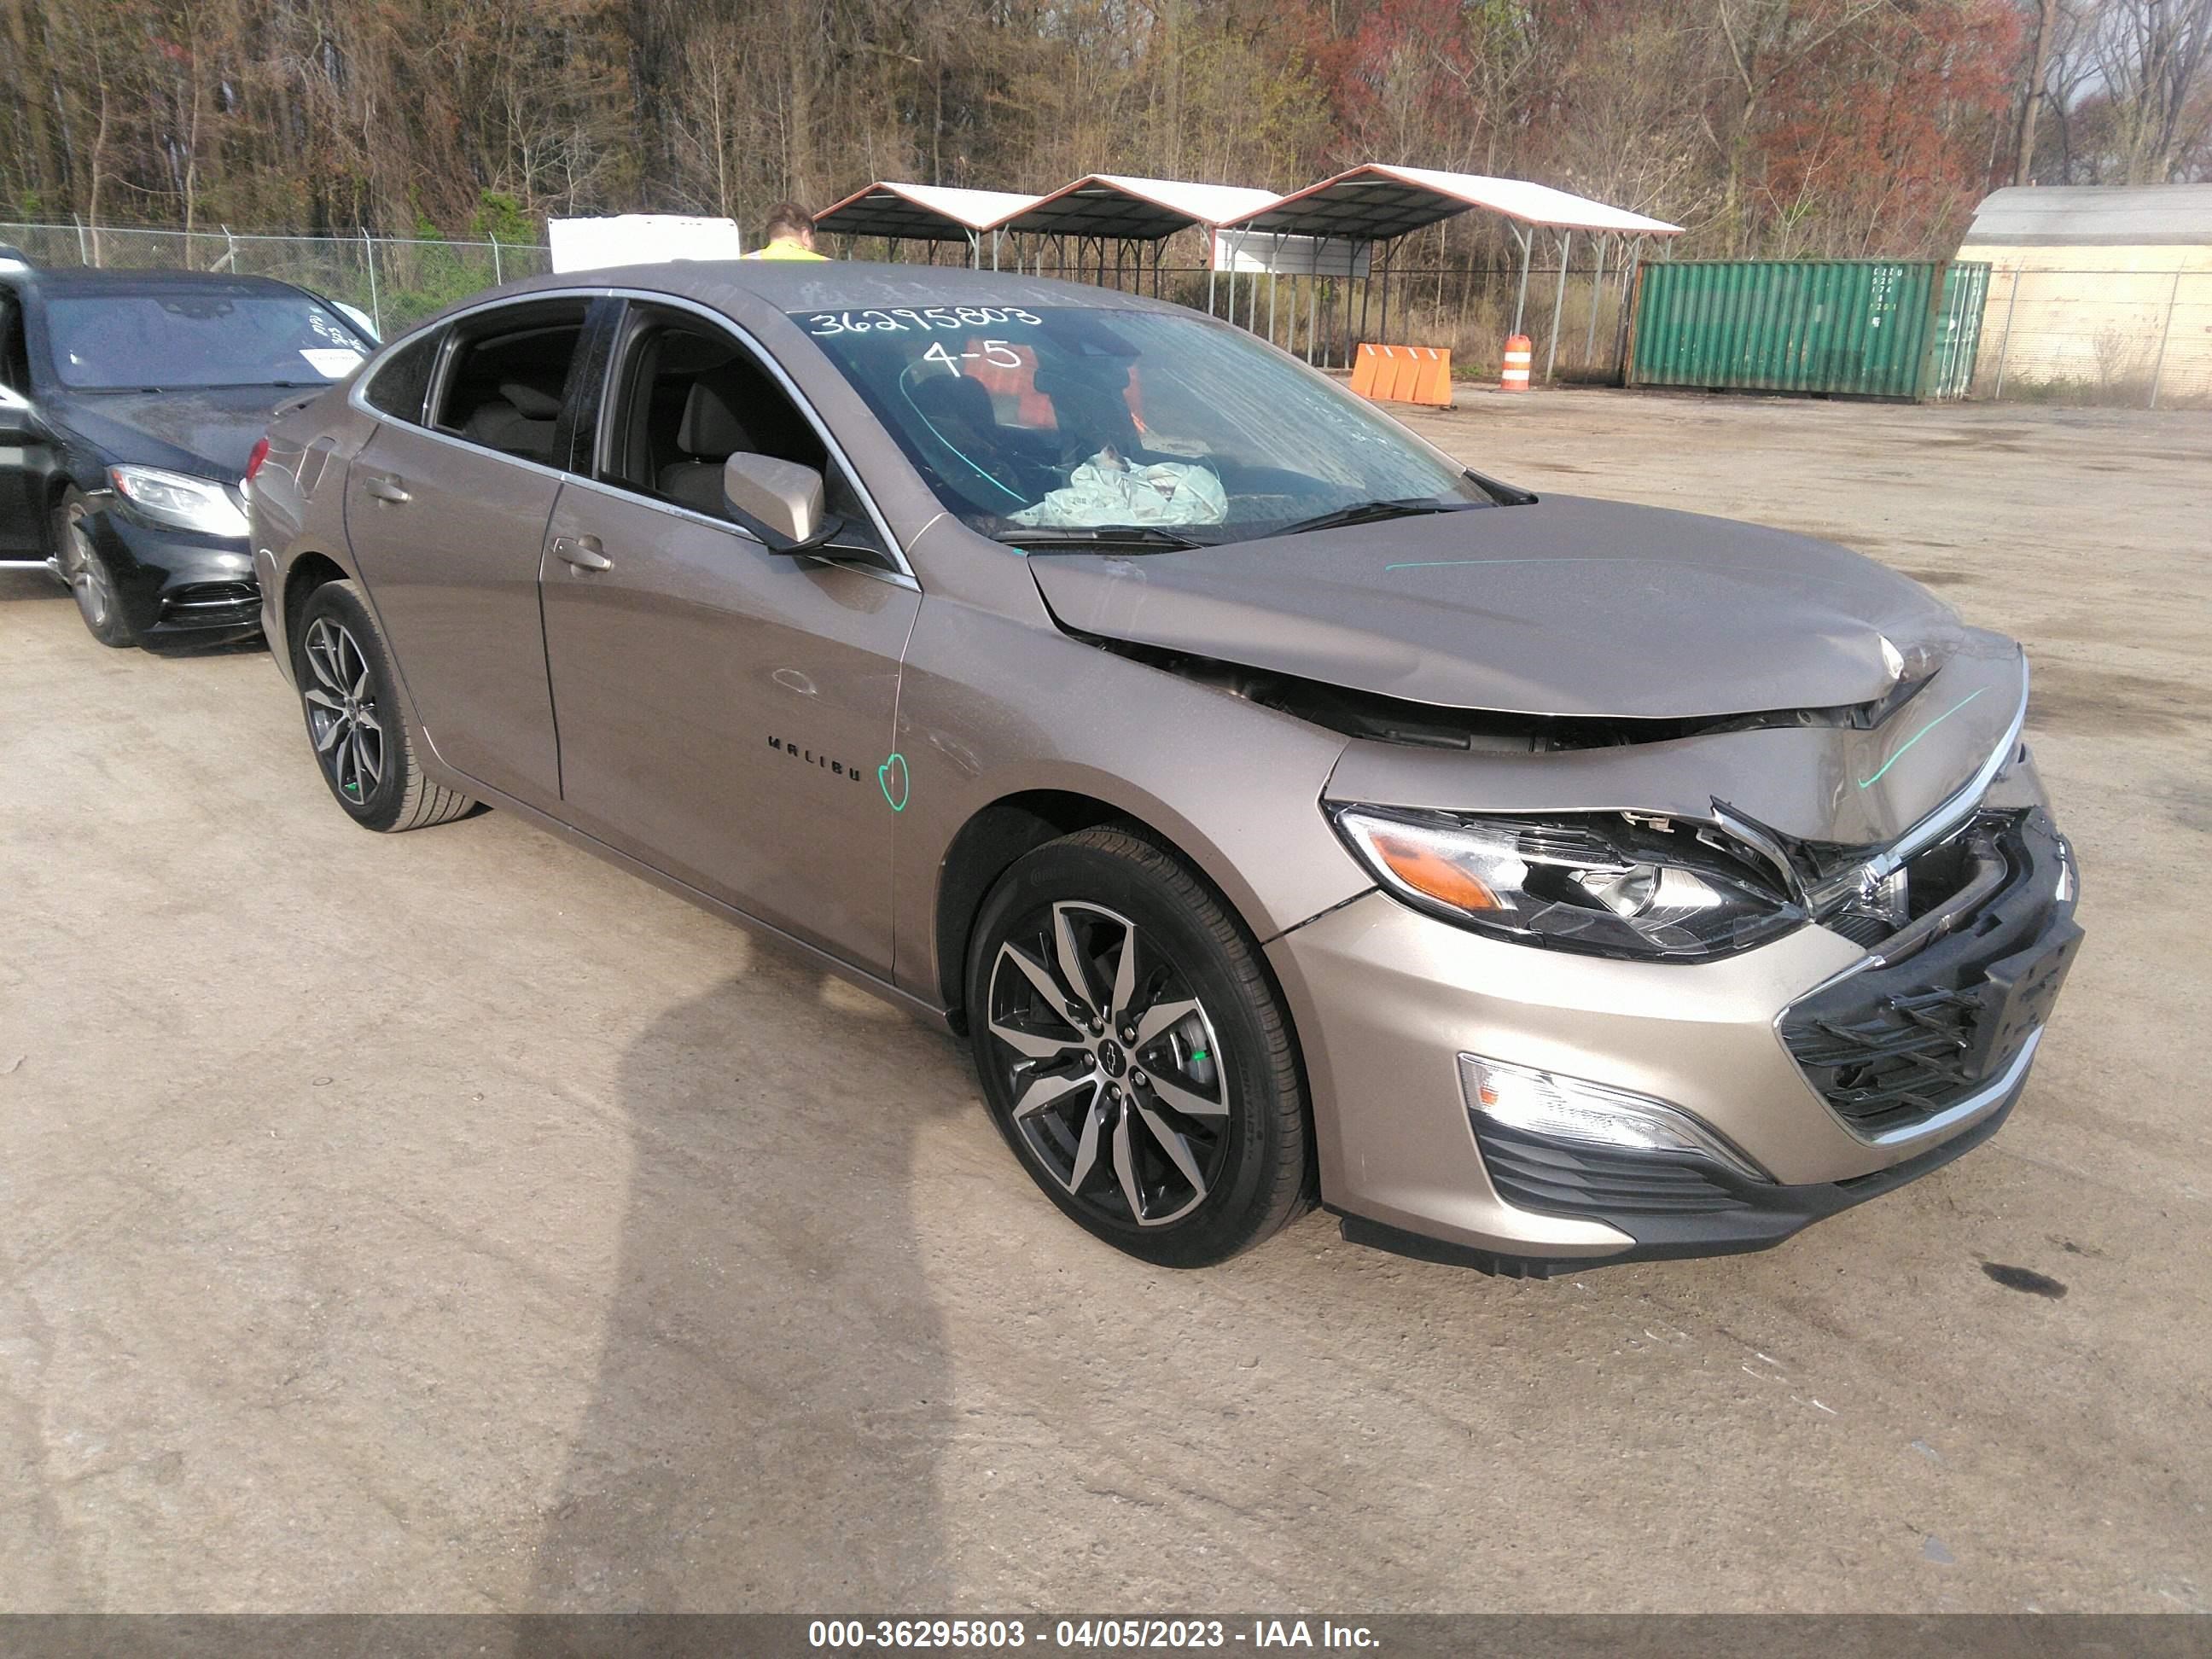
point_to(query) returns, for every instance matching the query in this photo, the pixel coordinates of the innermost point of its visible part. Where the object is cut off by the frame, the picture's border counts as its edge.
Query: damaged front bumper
(1651, 1109)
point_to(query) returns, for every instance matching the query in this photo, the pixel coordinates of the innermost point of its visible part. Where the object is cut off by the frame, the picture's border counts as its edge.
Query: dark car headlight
(1609, 883)
(179, 500)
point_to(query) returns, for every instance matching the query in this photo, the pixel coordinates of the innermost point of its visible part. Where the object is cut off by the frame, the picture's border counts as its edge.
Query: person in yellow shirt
(790, 232)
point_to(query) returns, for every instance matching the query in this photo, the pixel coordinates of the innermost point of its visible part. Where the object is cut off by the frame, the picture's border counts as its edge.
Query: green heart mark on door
(891, 776)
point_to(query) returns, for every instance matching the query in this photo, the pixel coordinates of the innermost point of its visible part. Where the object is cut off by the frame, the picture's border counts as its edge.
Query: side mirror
(17, 419)
(780, 501)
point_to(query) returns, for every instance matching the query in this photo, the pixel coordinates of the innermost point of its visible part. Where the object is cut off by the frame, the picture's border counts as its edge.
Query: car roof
(79, 279)
(838, 284)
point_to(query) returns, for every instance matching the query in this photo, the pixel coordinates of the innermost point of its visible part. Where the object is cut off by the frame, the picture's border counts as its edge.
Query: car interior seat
(518, 422)
(707, 435)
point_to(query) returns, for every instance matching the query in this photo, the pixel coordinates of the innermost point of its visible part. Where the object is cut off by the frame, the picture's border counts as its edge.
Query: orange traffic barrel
(1519, 352)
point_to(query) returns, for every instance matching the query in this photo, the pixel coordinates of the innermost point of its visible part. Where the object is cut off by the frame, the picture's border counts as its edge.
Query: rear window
(402, 381)
(164, 339)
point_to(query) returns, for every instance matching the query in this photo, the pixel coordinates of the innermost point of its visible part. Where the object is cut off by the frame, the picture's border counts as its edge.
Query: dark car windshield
(174, 338)
(1065, 420)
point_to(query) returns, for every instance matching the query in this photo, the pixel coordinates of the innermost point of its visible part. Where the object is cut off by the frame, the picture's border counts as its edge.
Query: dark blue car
(129, 406)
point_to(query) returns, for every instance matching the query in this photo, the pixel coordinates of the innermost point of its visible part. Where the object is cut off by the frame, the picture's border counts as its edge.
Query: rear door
(446, 518)
(724, 708)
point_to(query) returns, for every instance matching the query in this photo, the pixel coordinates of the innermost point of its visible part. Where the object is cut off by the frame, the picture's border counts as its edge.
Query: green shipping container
(1867, 328)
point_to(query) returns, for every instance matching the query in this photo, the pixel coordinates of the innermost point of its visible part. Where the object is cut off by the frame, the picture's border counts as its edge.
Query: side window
(398, 385)
(505, 377)
(14, 357)
(687, 397)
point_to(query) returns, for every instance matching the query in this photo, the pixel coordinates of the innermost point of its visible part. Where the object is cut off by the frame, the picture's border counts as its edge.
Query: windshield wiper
(1372, 512)
(1129, 535)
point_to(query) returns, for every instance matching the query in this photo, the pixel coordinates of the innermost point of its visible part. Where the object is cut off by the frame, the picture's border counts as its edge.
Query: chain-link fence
(395, 281)
(1577, 323)
(2122, 337)
(2140, 339)
(398, 280)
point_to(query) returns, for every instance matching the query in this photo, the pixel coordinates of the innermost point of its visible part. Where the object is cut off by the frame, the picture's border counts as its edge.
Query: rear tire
(1134, 1052)
(349, 697)
(84, 568)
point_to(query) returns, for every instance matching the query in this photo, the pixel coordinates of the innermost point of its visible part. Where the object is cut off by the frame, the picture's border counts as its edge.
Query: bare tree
(2151, 58)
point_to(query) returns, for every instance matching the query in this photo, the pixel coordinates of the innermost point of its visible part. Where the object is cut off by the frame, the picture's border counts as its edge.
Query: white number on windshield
(993, 351)
(899, 319)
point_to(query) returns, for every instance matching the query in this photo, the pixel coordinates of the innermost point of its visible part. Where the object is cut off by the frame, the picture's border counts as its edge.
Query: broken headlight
(1610, 884)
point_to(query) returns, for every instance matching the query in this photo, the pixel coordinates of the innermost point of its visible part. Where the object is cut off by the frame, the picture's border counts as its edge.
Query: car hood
(208, 432)
(1565, 606)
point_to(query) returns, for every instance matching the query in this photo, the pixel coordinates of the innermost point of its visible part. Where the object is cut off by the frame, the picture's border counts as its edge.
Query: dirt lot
(448, 1221)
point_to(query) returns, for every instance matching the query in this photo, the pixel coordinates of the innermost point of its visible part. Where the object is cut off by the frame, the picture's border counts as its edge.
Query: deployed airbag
(1107, 490)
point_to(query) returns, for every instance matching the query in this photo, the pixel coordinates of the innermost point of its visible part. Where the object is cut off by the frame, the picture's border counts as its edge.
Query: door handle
(585, 552)
(388, 489)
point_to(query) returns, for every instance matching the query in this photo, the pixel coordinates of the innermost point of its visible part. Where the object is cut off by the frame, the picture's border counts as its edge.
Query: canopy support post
(1558, 300)
(1597, 291)
(1521, 298)
(1384, 317)
(1274, 275)
(1313, 299)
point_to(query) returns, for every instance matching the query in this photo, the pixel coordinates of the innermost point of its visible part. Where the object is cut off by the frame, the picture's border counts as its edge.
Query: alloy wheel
(81, 569)
(1116, 1084)
(342, 712)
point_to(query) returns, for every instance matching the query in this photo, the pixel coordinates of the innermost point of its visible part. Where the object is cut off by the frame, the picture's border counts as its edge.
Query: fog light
(1568, 1109)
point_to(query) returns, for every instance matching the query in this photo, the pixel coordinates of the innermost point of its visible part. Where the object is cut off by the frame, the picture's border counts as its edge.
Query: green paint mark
(1198, 1054)
(895, 766)
(1868, 783)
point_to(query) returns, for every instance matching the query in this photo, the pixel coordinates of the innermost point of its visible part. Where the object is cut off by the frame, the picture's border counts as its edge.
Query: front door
(723, 709)
(447, 518)
(23, 454)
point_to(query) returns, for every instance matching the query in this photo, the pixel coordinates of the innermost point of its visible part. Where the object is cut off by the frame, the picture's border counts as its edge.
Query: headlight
(1611, 883)
(175, 498)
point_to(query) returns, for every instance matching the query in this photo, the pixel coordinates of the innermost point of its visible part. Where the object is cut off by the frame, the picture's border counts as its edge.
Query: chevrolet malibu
(1286, 813)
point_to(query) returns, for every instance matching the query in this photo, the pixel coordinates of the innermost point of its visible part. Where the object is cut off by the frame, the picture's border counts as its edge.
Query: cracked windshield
(1074, 423)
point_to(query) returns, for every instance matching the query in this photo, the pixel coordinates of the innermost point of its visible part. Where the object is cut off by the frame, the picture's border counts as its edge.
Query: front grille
(1903, 1060)
(212, 603)
(1560, 1178)
(1861, 925)
(1898, 1042)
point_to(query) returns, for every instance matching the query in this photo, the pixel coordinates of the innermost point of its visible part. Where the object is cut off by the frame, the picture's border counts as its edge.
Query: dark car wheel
(343, 670)
(1134, 1053)
(84, 568)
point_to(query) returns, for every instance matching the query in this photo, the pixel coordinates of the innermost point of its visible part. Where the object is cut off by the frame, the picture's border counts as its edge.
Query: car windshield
(164, 338)
(1076, 422)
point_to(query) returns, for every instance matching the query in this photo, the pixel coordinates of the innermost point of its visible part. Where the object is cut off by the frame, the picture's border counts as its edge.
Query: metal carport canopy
(920, 213)
(1377, 201)
(1116, 208)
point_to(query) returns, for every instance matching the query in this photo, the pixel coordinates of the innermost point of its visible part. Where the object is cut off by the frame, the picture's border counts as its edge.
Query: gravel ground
(448, 1221)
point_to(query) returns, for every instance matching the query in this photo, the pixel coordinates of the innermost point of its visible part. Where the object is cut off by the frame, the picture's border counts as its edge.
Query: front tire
(84, 568)
(1134, 1053)
(349, 695)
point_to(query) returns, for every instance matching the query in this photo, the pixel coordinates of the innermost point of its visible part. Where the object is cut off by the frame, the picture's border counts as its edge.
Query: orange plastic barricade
(1520, 351)
(1364, 363)
(1405, 375)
